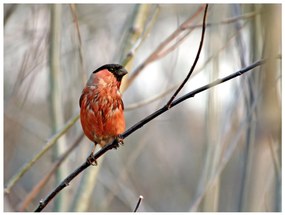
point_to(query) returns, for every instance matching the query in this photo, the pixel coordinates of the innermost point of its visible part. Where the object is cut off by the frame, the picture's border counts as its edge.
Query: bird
(101, 106)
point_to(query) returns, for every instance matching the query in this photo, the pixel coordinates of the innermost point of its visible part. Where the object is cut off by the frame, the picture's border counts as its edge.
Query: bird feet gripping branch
(91, 160)
(119, 140)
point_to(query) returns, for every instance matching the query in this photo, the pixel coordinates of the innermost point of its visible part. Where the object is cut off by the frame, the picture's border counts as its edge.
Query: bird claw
(119, 141)
(91, 160)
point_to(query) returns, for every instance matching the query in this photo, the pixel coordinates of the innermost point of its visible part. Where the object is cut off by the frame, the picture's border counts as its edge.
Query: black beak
(122, 72)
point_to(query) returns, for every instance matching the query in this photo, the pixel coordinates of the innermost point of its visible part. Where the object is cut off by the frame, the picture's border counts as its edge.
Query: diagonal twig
(138, 204)
(80, 47)
(195, 61)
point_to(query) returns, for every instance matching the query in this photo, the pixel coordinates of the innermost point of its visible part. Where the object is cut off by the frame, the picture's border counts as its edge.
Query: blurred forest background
(218, 151)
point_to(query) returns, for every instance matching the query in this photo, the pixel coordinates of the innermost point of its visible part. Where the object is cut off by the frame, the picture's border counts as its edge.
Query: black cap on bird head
(116, 69)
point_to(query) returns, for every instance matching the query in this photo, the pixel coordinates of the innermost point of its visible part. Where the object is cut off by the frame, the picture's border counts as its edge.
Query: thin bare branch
(195, 61)
(138, 204)
(229, 20)
(80, 48)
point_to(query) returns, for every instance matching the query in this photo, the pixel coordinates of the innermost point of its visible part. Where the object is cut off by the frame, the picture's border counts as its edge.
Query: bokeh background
(218, 151)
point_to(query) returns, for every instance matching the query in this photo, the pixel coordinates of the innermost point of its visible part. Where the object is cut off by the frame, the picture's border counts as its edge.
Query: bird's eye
(111, 69)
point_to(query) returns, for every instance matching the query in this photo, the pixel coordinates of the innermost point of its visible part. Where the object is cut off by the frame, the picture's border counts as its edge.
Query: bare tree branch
(195, 61)
(138, 204)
